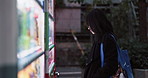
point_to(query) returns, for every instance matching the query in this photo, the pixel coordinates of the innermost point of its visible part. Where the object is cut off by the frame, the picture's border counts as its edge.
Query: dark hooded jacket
(93, 67)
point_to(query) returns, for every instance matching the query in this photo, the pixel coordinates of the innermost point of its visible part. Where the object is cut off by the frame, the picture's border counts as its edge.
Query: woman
(101, 29)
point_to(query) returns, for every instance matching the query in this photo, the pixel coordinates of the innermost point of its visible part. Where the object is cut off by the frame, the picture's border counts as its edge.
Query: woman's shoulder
(109, 37)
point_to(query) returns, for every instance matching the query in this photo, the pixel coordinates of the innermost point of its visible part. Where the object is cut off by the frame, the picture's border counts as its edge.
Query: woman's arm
(110, 58)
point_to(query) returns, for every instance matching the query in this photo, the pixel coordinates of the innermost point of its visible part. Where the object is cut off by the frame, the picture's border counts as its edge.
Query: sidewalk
(69, 72)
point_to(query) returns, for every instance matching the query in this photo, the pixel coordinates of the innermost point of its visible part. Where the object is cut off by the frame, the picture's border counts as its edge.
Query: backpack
(123, 62)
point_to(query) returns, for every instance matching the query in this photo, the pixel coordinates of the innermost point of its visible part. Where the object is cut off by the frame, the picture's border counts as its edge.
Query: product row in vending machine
(27, 47)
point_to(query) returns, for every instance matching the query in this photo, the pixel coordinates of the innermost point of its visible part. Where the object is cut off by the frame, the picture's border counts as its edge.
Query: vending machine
(35, 42)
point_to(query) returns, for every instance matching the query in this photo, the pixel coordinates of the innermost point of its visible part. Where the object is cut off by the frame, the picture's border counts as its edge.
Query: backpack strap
(115, 41)
(102, 55)
(102, 52)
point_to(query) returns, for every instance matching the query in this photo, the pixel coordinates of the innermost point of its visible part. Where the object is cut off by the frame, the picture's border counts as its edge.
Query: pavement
(69, 72)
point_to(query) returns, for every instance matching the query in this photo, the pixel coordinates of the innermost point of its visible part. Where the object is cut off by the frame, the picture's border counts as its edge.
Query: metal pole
(46, 33)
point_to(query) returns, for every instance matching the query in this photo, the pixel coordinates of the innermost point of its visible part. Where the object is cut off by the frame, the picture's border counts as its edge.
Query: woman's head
(98, 22)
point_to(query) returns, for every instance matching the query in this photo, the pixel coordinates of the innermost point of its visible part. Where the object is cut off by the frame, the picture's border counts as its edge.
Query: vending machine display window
(30, 41)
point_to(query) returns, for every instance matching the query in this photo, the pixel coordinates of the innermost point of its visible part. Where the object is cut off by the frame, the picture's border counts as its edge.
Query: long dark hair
(99, 23)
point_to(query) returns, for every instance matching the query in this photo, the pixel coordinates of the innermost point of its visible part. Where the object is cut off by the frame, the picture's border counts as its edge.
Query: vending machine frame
(49, 39)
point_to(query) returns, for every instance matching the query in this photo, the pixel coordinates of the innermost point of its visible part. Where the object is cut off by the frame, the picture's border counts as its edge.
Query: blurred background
(130, 22)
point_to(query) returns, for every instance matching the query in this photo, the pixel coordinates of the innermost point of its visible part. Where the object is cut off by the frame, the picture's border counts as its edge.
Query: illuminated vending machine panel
(30, 43)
